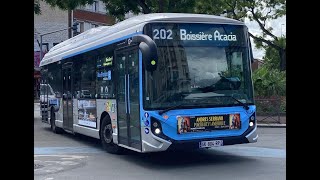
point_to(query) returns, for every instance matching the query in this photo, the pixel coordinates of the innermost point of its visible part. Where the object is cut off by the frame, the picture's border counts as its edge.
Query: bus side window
(104, 76)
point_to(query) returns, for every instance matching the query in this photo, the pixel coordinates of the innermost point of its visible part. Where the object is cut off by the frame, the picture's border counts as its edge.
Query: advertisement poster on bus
(87, 113)
(188, 124)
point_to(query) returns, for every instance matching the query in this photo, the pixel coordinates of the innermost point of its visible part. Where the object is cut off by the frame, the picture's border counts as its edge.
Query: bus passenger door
(127, 68)
(67, 97)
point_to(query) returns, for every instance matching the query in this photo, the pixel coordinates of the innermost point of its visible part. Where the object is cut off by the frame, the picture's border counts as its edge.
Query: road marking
(232, 150)
(252, 151)
(65, 150)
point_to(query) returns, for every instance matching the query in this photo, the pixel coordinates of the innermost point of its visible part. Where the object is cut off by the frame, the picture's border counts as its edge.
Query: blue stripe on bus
(100, 45)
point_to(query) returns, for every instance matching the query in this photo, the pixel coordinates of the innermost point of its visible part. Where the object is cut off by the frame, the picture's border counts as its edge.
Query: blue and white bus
(153, 82)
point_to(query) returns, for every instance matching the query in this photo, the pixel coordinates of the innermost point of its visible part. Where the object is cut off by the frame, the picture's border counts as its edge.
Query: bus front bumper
(154, 143)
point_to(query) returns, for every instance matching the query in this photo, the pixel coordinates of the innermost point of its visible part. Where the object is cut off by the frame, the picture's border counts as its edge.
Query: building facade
(91, 16)
(52, 27)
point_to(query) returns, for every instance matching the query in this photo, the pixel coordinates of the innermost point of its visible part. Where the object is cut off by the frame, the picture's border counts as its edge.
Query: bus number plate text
(213, 143)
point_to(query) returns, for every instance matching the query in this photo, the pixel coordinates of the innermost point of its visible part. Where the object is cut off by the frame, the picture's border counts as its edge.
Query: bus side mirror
(149, 51)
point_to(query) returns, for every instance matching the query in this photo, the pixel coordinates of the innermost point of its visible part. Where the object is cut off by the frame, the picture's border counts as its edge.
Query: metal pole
(40, 47)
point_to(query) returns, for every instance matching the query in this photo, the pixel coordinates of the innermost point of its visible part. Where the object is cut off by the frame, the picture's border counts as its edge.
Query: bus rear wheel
(53, 126)
(107, 138)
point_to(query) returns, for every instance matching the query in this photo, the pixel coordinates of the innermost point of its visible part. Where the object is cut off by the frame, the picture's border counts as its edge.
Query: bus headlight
(156, 128)
(252, 120)
(157, 131)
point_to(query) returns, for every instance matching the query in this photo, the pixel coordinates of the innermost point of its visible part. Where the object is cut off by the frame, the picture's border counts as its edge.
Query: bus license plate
(213, 143)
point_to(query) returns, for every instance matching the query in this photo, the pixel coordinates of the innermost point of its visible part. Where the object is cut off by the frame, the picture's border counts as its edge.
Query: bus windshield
(199, 65)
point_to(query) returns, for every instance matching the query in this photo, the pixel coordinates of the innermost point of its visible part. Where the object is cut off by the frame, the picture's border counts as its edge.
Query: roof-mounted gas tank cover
(149, 51)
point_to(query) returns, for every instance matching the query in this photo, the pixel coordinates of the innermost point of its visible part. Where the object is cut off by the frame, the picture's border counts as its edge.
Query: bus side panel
(59, 114)
(75, 111)
(109, 106)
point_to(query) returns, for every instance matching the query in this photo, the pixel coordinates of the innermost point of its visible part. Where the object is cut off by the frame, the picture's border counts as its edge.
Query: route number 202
(162, 34)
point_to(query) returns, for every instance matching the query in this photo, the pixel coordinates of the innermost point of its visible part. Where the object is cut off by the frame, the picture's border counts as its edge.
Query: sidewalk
(272, 121)
(36, 111)
(263, 121)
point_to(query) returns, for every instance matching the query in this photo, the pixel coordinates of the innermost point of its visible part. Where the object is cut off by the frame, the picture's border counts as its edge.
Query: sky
(278, 25)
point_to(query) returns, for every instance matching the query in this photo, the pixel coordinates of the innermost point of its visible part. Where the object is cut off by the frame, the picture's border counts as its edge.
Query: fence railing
(271, 110)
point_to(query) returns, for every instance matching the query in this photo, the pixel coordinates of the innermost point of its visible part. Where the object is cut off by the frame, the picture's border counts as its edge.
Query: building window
(95, 6)
(45, 47)
(81, 24)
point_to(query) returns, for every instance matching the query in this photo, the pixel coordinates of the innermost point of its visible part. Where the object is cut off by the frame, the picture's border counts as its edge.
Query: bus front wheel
(107, 138)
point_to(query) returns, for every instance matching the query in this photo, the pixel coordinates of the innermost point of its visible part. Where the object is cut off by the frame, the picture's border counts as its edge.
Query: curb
(273, 125)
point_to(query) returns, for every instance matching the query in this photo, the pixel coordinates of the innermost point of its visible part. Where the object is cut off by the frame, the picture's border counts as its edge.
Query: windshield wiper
(169, 108)
(245, 106)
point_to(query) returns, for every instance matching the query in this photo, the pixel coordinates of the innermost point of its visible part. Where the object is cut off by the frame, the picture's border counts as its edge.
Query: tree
(259, 11)
(269, 82)
(118, 8)
(68, 4)
(36, 7)
(271, 57)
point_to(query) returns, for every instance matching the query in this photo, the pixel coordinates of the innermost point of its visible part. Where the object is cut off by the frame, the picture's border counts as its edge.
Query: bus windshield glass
(199, 65)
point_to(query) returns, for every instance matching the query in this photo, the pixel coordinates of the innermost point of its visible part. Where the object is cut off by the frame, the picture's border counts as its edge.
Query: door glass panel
(121, 92)
(64, 98)
(67, 99)
(133, 84)
(127, 63)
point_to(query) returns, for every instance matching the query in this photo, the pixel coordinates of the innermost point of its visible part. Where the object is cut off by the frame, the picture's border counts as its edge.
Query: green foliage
(68, 4)
(269, 82)
(270, 85)
(36, 7)
(272, 58)
(118, 8)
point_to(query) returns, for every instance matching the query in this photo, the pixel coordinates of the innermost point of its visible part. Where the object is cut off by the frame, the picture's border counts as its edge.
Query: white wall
(51, 19)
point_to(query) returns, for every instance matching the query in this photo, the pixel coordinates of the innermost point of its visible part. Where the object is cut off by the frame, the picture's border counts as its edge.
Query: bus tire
(106, 137)
(53, 126)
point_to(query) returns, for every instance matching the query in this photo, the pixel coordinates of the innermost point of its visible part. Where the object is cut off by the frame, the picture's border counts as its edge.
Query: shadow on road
(182, 159)
(86, 140)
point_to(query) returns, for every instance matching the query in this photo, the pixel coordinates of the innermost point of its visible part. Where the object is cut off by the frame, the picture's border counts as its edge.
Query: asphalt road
(65, 156)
